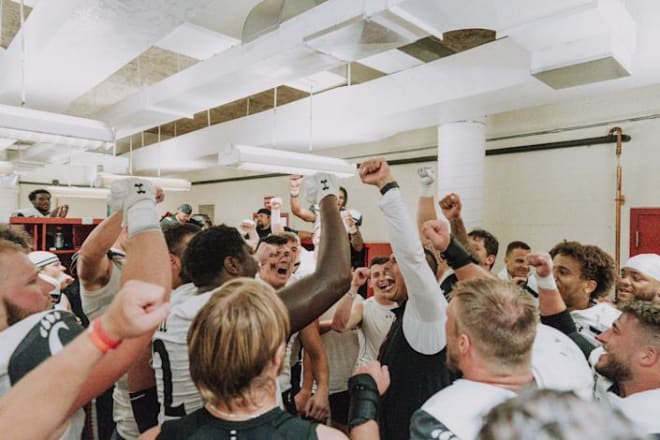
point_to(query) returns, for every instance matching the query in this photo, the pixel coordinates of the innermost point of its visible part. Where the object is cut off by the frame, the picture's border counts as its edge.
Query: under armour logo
(139, 187)
(325, 187)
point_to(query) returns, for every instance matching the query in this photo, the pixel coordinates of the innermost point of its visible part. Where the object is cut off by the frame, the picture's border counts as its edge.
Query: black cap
(185, 208)
(264, 211)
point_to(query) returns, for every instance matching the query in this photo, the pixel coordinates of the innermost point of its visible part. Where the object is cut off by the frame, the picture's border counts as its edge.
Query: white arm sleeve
(426, 311)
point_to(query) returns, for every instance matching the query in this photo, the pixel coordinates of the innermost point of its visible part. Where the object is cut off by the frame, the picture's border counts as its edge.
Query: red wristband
(100, 338)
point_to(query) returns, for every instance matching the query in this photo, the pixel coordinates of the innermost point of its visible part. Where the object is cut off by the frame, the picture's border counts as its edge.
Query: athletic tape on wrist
(546, 283)
(364, 400)
(456, 255)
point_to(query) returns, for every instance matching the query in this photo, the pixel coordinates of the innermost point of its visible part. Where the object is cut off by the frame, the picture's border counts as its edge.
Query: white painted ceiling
(137, 64)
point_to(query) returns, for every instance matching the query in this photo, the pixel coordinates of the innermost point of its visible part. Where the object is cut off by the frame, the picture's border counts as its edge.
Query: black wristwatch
(388, 186)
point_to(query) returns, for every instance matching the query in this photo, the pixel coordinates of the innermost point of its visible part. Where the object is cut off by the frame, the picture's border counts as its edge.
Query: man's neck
(222, 279)
(43, 211)
(383, 301)
(513, 381)
(629, 387)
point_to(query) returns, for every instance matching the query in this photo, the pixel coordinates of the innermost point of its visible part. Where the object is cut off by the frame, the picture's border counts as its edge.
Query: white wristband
(427, 190)
(546, 283)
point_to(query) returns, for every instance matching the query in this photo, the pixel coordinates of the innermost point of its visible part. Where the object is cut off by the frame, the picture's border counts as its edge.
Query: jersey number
(170, 411)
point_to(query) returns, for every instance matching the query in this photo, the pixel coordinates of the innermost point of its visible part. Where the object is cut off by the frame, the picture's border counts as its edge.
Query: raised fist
(375, 172)
(451, 206)
(438, 233)
(295, 182)
(360, 276)
(541, 262)
(276, 203)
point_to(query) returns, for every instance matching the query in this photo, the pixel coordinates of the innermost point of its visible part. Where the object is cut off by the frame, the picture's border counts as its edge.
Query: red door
(644, 231)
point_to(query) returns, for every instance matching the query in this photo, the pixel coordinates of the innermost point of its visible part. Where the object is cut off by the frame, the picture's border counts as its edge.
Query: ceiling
(173, 82)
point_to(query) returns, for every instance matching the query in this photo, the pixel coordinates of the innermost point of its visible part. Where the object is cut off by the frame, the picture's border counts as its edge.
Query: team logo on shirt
(45, 338)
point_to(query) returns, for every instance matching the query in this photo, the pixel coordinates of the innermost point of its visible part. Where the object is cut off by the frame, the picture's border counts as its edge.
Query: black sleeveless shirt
(414, 378)
(275, 424)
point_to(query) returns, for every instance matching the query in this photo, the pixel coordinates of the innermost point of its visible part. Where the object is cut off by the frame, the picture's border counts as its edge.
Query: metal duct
(269, 14)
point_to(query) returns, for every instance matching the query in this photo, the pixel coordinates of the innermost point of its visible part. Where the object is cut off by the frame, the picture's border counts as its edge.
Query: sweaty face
(480, 249)
(42, 202)
(382, 282)
(19, 288)
(568, 275)
(516, 264)
(263, 221)
(620, 344)
(275, 264)
(635, 285)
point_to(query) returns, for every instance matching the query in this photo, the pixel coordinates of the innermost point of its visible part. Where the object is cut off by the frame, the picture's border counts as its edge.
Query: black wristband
(364, 400)
(456, 256)
(145, 408)
(389, 186)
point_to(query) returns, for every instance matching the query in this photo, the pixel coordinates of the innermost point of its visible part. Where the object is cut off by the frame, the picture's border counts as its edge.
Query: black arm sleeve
(561, 321)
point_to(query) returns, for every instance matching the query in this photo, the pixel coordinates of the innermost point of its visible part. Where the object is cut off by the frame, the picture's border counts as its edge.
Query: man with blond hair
(493, 335)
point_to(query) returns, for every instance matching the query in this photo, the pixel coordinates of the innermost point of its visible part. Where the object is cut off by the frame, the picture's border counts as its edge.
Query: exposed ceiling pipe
(619, 199)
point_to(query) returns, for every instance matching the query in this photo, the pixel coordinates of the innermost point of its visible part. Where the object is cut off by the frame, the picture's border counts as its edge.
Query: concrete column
(461, 160)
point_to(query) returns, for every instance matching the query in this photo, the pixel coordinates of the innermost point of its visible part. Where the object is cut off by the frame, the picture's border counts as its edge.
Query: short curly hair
(204, 258)
(595, 264)
(647, 313)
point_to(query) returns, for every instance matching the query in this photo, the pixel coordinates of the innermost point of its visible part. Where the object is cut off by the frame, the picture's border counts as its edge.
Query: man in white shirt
(584, 273)
(516, 268)
(639, 278)
(40, 199)
(629, 366)
(414, 350)
(495, 342)
(374, 316)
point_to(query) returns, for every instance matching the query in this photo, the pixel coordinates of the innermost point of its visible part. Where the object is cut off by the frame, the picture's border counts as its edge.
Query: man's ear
(175, 262)
(490, 260)
(232, 266)
(464, 343)
(590, 286)
(650, 356)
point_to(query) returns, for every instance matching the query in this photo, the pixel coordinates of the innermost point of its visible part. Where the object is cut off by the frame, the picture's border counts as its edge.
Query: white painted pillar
(461, 160)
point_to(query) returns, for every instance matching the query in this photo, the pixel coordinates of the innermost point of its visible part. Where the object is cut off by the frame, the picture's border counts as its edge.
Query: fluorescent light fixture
(246, 157)
(37, 126)
(78, 192)
(167, 183)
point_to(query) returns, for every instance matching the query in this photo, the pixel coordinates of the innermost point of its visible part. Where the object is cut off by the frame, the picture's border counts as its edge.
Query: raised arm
(425, 206)
(137, 309)
(348, 314)
(463, 264)
(295, 183)
(552, 307)
(93, 265)
(275, 215)
(451, 206)
(423, 321)
(147, 256)
(308, 298)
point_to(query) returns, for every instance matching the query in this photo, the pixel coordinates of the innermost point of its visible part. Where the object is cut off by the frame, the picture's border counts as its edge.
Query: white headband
(647, 264)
